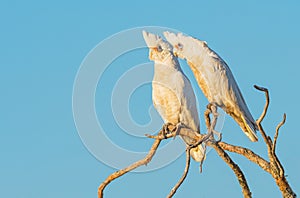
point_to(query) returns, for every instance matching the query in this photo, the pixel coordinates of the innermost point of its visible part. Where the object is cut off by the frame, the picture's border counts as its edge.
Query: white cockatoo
(172, 93)
(215, 79)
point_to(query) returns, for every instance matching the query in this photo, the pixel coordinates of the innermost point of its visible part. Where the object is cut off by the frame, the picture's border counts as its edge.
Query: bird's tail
(250, 129)
(198, 153)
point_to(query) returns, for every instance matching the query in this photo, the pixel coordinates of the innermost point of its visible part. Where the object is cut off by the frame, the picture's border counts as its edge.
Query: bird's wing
(235, 105)
(189, 112)
(232, 98)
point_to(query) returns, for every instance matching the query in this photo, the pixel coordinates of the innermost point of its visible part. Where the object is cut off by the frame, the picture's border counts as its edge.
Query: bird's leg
(214, 111)
(211, 109)
(202, 140)
(211, 124)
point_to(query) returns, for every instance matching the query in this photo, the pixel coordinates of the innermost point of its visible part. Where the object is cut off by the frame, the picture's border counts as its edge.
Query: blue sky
(42, 47)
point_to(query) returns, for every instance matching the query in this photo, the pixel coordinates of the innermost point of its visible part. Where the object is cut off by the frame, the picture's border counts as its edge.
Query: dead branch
(158, 138)
(236, 169)
(263, 115)
(211, 109)
(250, 155)
(260, 119)
(186, 170)
(277, 133)
(276, 168)
(135, 165)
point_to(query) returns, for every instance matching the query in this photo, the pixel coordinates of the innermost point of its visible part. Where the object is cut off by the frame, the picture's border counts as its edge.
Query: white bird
(215, 79)
(172, 93)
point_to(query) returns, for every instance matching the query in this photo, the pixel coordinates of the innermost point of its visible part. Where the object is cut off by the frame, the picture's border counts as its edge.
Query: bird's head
(185, 47)
(159, 50)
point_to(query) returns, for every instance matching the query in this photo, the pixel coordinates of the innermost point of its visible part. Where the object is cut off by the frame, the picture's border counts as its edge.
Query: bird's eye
(180, 46)
(159, 49)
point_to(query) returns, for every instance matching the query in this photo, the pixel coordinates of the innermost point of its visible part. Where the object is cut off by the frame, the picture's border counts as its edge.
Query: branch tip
(260, 88)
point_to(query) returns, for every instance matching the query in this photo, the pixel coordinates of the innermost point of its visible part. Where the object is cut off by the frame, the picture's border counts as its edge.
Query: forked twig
(276, 168)
(186, 170)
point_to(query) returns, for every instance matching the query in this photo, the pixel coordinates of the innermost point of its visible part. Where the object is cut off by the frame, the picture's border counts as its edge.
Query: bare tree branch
(226, 158)
(250, 155)
(236, 169)
(277, 133)
(263, 115)
(135, 165)
(186, 170)
(274, 166)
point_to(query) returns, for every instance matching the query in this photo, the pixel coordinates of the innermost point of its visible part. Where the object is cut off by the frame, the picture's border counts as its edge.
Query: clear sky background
(42, 45)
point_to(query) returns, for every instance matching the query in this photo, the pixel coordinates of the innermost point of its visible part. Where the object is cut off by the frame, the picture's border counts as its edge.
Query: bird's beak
(151, 52)
(175, 50)
(155, 49)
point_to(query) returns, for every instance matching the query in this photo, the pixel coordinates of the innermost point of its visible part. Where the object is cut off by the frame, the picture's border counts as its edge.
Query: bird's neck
(169, 62)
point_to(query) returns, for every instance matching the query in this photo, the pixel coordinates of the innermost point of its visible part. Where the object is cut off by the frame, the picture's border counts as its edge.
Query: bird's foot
(211, 136)
(167, 129)
(205, 138)
(177, 129)
(213, 109)
(218, 134)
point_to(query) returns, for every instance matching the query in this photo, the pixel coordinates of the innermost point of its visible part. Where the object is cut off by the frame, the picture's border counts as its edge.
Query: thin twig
(135, 165)
(186, 170)
(263, 115)
(266, 104)
(277, 133)
(276, 160)
(160, 136)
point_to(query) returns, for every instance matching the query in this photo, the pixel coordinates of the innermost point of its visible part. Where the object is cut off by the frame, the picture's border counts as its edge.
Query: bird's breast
(166, 102)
